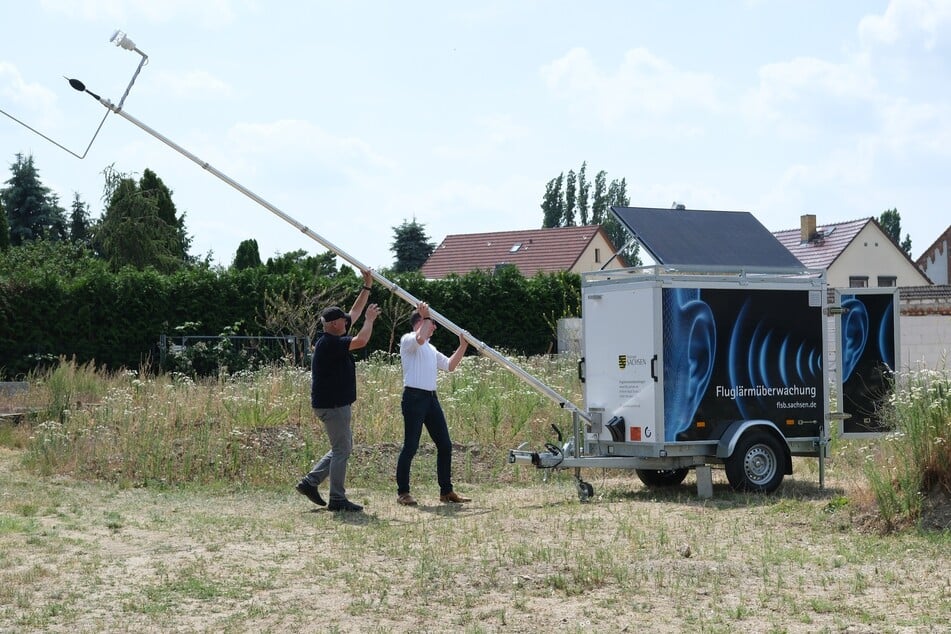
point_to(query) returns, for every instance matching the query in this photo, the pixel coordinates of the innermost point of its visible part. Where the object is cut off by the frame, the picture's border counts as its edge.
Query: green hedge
(115, 319)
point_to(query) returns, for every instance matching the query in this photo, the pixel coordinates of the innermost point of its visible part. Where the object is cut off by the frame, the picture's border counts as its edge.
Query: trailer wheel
(661, 477)
(756, 465)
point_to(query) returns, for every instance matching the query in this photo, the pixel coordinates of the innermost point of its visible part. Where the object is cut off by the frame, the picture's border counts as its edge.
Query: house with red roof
(531, 251)
(855, 254)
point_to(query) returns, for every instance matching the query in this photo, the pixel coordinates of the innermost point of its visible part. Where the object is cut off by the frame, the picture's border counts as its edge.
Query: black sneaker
(343, 505)
(307, 489)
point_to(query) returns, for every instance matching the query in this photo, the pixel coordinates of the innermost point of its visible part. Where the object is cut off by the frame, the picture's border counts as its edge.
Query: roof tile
(823, 251)
(531, 251)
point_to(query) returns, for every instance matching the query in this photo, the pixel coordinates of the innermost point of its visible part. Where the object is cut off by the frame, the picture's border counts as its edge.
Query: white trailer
(685, 368)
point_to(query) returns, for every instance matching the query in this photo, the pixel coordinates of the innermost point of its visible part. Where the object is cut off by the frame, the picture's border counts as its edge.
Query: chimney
(807, 227)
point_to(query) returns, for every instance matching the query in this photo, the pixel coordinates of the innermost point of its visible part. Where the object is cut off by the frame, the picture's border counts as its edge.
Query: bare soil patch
(524, 556)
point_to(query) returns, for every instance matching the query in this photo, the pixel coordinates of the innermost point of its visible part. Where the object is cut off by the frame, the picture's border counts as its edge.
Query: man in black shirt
(333, 391)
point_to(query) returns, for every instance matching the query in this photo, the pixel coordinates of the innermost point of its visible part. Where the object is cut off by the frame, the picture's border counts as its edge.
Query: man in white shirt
(420, 405)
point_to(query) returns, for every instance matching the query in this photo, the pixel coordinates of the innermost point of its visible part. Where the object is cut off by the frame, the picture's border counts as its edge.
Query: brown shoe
(452, 496)
(405, 499)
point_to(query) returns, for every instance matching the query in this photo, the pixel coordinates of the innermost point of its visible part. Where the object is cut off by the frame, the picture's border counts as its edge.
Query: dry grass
(224, 547)
(83, 557)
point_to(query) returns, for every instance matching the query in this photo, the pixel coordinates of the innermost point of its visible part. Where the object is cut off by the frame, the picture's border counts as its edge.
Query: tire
(757, 463)
(655, 478)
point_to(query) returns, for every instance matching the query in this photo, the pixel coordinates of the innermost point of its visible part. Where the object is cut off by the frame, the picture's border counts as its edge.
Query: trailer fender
(727, 444)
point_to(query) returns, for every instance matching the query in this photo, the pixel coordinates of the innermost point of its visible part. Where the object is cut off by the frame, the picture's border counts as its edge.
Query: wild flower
(257, 425)
(913, 458)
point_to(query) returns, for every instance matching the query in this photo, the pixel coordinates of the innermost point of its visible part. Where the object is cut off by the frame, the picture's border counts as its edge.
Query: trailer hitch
(542, 460)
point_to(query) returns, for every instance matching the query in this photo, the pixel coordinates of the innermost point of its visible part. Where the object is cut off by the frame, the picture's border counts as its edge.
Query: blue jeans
(422, 408)
(336, 421)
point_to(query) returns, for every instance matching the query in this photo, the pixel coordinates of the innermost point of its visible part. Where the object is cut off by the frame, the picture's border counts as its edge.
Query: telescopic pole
(482, 348)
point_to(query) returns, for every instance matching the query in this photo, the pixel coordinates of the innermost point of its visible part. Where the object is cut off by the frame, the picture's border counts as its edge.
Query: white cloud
(210, 13)
(196, 84)
(301, 142)
(860, 108)
(35, 104)
(846, 168)
(493, 133)
(644, 89)
(920, 20)
(800, 97)
(909, 126)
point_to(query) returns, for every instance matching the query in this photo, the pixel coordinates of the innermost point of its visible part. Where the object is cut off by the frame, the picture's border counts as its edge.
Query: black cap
(331, 313)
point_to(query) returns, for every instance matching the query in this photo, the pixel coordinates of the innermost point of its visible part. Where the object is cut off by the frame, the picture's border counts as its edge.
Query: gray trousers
(336, 421)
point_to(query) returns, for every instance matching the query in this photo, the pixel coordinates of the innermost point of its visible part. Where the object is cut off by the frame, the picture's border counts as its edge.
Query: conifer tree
(411, 246)
(33, 212)
(79, 232)
(4, 229)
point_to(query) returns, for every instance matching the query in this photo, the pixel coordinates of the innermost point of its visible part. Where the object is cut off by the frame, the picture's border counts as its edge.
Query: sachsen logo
(624, 360)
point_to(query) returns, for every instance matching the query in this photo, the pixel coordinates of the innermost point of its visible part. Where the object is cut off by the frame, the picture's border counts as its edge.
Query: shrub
(914, 461)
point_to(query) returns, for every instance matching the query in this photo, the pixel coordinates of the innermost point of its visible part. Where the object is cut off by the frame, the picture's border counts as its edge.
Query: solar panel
(701, 237)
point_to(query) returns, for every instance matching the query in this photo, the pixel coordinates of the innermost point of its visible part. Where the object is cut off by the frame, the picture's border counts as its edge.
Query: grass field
(157, 504)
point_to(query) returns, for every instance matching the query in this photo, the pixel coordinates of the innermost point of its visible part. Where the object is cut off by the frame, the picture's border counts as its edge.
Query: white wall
(587, 262)
(872, 254)
(925, 341)
(569, 336)
(935, 263)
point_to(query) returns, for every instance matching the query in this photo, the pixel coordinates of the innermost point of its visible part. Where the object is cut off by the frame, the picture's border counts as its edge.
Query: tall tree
(325, 265)
(571, 184)
(152, 186)
(606, 195)
(321, 265)
(247, 256)
(132, 231)
(617, 197)
(553, 205)
(79, 221)
(891, 223)
(4, 229)
(599, 204)
(617, 193)
(583, 187)
(32, 211)
(411, 246)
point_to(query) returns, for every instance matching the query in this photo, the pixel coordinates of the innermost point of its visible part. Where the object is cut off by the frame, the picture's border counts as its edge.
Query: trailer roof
(704, 237)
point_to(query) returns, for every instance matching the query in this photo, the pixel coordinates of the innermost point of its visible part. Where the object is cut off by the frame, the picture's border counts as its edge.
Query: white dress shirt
(420, 363)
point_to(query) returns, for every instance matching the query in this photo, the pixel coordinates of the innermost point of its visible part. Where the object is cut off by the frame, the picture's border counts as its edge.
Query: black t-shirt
(333, 372)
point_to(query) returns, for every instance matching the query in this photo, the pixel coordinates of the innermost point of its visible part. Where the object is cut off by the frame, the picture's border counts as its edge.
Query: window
(856, 281)
(887, 280)
(597, 255)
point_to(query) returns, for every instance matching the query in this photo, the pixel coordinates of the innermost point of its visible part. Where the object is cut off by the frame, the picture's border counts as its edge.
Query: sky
(353, 117)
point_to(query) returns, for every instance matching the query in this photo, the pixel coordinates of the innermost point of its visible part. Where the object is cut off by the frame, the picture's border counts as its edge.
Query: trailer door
(621, 343)
(867, 355)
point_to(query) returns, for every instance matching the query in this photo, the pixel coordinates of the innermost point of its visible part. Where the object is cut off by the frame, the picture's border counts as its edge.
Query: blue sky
(352, 117)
